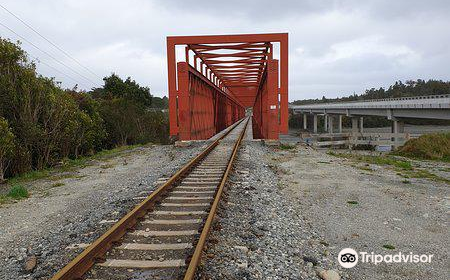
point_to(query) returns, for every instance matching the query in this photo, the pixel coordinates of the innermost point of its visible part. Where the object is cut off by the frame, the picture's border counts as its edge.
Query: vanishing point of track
(163, 236)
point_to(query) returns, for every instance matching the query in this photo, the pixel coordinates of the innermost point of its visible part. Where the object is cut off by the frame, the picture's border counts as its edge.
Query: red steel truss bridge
(214, 80)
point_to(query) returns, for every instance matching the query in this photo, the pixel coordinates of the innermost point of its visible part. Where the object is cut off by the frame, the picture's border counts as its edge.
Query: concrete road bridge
(395, 109)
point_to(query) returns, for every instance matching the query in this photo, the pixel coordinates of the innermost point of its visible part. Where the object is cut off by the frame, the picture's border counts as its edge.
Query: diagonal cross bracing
(235, 65)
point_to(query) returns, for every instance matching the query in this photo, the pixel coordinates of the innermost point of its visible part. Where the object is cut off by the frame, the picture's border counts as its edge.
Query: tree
(161, 103)
(121, 120)
(88, 130)
(41, 123)
(115, 87)
(6, 147)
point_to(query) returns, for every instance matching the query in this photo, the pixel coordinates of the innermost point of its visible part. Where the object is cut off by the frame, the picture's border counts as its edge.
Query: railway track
(164, 235)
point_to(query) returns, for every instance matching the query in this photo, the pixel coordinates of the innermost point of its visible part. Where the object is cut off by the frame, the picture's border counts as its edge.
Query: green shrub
(6, 146)
(18, 192)
(286, 147)
(389, 247)
(435, 146)
(42, 124)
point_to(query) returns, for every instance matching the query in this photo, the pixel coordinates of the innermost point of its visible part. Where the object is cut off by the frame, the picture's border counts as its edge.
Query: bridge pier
(354, 124)
(397, 127)
(436, 107)
(357, 124)
(361, 124)
(330, 124)
(315, 123)
(305, 121)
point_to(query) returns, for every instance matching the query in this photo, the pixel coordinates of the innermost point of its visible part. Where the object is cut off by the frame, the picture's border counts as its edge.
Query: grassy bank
(435, 146)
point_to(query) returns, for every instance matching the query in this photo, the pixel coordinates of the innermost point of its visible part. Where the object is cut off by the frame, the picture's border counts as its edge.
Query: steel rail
(95, 252)
(195, 259)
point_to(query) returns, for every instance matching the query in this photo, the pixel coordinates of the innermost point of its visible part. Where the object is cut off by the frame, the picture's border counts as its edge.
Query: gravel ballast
(258, 234)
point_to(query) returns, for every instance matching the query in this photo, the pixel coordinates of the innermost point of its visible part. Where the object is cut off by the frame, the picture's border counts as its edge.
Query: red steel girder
(239, 54)
(229, 47)
(237, 66)
(237, 61)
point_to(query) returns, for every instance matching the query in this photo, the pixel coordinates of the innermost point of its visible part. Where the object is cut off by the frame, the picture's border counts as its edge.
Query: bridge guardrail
(386, 101)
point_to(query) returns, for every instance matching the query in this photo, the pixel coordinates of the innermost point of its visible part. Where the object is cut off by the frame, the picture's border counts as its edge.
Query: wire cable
(50, 42)
(57, 70)
(51, 56)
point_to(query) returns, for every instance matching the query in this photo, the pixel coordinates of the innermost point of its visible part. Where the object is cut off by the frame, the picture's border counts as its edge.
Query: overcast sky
(336, 47)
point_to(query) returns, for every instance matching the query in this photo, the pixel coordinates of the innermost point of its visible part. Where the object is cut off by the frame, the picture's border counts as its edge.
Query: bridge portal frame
(282, 90)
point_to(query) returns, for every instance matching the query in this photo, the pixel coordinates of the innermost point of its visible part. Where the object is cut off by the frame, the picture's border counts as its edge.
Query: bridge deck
(428, 107)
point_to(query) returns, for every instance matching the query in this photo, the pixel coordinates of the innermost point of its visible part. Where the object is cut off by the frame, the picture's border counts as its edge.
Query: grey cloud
(336, 47)
(252, 9)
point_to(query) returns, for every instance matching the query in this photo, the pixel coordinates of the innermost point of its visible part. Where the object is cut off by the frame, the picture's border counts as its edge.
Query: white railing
(428, 101)
(398, 98)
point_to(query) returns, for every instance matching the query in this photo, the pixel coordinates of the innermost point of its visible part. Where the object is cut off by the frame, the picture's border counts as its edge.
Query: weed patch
(18, 192)
(404, 168)
(29, 176)
(365, 168)
(107, 166)
(286, 147)
(378, 160)
(425, 174)
(61, 176)
(59, 184)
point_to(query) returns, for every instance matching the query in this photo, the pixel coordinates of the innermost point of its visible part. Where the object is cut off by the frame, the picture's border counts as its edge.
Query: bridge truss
(222, 76)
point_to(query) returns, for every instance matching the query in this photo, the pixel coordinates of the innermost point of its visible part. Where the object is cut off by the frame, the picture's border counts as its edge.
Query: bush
(41, 123)
(18, 192)
(434, 146)
(6, 146)
(286, 147)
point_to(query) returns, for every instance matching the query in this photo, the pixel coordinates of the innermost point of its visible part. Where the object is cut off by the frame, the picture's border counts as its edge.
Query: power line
(50, 42)
(57, 70)
(50, 66)
(51, 56)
